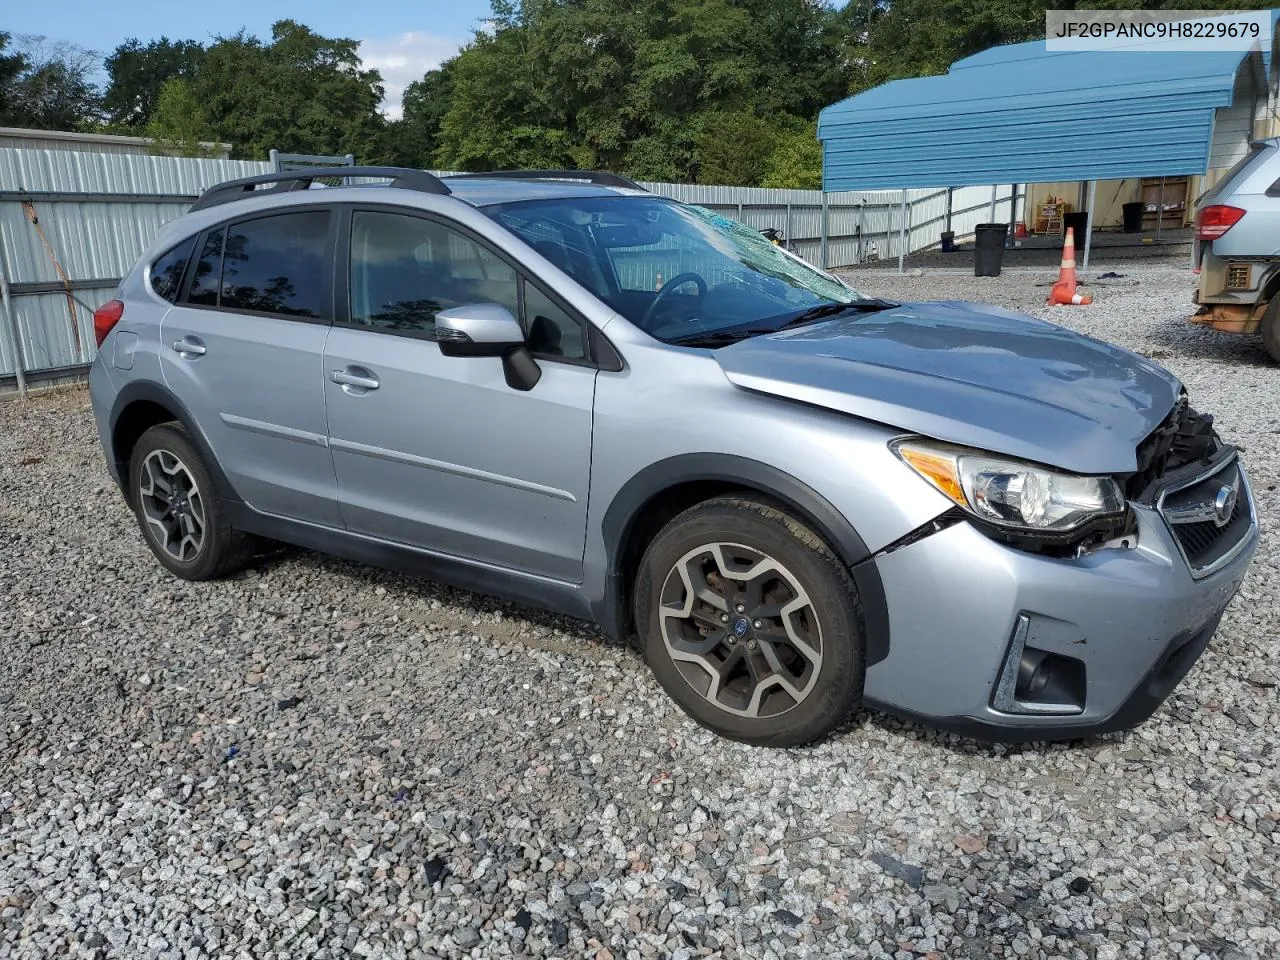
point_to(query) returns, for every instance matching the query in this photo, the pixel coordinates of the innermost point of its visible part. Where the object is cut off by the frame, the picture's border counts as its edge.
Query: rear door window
(277, 265)
(168, 269)
(208, 272)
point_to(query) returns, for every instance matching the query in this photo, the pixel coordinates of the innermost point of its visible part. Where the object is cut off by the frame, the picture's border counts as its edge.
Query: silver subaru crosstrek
(556, 387)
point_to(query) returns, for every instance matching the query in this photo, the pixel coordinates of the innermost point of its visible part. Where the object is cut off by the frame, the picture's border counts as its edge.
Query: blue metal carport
(1022, 114)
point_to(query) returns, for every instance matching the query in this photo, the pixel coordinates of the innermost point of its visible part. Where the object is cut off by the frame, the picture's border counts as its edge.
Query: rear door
(242, 349)
(440, 452)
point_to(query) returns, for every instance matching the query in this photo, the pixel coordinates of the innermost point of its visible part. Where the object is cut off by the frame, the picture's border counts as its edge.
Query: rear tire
(174, 499)
(1271, 328)
(751, 623)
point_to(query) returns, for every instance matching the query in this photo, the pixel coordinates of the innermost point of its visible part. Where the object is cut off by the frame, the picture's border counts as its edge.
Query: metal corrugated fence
(97, 212)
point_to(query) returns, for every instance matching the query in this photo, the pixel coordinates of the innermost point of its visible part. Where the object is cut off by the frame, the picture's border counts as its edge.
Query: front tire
(751, 623)
(172, 494)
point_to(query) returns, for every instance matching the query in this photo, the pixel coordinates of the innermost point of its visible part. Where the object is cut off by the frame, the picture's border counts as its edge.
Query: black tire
(1271, 328)
(738, 532)
(221, 549)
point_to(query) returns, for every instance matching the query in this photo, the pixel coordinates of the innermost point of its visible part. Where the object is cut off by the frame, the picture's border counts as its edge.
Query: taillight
(105, 318)
(1213, 221)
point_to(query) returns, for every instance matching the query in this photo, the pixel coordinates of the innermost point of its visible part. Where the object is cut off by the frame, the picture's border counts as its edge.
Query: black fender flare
(150, 392)
(828, 522)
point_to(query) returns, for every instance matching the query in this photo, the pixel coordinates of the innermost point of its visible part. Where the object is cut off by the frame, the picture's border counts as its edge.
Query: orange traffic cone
(1064, 291)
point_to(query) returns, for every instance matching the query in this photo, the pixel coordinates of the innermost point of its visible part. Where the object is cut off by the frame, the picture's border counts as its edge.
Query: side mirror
(488, 330)
(477, 330)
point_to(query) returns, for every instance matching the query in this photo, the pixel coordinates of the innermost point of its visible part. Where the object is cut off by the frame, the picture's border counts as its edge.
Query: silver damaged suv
(562, 389)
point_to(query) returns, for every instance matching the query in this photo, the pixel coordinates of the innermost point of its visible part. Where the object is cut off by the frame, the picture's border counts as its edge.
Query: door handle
(355, 380)
(189, 347)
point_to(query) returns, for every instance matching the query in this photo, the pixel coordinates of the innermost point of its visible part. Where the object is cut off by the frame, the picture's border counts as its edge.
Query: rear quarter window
(168, 269)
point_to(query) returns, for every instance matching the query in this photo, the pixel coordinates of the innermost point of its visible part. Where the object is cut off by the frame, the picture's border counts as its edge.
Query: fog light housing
(1039, 681)
(1034, 673)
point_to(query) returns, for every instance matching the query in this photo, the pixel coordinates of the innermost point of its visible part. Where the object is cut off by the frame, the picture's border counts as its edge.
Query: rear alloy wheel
(171, 501)
(751, 623)
(182, 521)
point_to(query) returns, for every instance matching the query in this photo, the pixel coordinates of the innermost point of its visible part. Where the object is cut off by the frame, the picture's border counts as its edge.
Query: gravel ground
(317, 759)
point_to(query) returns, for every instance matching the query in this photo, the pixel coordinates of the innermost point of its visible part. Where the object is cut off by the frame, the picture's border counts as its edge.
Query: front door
(243, 349)
(439, 452)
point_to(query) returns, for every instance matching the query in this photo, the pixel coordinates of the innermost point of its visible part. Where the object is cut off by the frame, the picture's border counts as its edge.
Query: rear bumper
(1134, 620)
(1233, 292)
(101, 394)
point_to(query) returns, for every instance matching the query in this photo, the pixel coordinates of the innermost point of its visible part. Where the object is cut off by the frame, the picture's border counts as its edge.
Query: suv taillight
(105, 318)
(1213, 221)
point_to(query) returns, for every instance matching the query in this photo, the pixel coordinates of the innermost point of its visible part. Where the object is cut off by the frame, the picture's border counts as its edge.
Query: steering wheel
(679, 280)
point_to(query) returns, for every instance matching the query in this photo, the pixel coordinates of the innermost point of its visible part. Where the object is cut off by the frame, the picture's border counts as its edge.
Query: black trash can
(948, 241)
(1133, 216)
(1079, 226)
(988, 249)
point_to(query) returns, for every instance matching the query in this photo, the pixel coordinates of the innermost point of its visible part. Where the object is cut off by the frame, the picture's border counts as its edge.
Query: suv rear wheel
(751, 623)
(1271, 328)
(173, 497)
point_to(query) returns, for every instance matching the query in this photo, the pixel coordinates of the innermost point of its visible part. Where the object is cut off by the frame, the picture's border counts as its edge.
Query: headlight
(1011, 493)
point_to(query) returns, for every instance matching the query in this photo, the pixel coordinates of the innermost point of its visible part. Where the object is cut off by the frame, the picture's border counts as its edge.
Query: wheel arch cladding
(656, 494)
(142, 405)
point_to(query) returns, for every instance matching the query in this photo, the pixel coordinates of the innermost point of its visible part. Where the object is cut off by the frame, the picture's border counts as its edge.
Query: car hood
(970, 374)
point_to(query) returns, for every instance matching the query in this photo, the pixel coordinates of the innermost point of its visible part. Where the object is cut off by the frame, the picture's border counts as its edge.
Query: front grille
(1207, 535)
(1239, 276)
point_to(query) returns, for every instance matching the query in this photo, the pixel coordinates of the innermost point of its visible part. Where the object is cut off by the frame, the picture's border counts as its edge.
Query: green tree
(914, 38)
(734, 148)
(12, 65)
(500, 114)
(657, 89)
(178, 123)
(796, 161)
(47, 85)
(414, 139)
(300, 93)
(137, 72)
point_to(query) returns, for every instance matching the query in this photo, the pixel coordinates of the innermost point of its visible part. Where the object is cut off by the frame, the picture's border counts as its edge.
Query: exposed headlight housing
(1012, 495)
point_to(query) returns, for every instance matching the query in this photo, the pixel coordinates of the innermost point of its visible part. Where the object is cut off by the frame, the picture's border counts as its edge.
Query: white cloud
(403, 59)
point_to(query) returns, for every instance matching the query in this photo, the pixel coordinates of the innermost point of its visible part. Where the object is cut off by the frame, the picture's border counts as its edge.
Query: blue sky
(402, 38)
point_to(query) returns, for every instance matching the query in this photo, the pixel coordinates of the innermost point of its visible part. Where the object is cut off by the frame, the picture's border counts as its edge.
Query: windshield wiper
(869, 305)
(720, 338)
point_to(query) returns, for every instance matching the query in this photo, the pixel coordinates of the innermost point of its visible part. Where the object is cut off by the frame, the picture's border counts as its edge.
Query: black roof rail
(287, 180)
(604, 178)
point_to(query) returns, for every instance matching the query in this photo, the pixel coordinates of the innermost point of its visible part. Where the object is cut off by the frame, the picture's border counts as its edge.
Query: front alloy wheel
(741, 629)
(750, 622)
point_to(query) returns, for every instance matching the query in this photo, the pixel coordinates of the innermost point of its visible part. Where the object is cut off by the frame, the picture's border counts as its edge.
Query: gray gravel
(325, 760)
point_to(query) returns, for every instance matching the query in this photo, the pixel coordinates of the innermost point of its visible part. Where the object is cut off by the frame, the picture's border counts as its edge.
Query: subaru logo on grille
(1224, 504)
